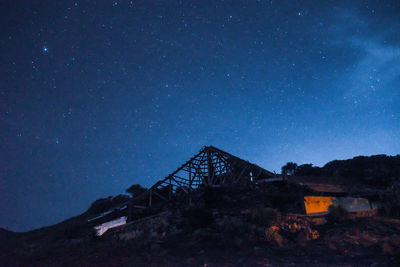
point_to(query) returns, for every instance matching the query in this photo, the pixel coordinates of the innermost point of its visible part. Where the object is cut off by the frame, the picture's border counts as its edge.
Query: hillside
(253, 225)
(377, 170)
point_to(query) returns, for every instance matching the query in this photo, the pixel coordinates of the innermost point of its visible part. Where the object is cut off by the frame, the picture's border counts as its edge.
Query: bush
(195, 218)
(391, 201)
(265, 216)
(135, 190)
(233, 225)
(105, 204)
(213, 197)
(70, 231)
(337, 213)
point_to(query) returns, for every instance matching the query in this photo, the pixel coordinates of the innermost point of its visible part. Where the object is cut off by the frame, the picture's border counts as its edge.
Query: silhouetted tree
(104, 204)
(377, 170)
(135, 190)
(289, 168)
(308, 170)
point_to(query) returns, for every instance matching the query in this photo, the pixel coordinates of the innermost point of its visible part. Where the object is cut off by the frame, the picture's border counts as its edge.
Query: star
(166, 77)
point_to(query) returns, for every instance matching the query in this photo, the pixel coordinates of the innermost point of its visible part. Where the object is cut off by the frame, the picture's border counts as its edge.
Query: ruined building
(220, 171)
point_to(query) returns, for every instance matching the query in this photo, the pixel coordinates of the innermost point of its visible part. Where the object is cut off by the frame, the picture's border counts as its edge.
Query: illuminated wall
(320, 205)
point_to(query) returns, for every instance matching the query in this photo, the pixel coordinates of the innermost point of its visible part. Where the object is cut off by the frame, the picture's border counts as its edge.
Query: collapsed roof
(210, 167)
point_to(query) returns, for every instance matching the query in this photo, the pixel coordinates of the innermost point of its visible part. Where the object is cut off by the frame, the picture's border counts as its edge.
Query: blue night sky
(97, 96)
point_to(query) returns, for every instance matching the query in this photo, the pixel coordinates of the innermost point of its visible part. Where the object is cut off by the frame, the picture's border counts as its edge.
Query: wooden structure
(210, 167)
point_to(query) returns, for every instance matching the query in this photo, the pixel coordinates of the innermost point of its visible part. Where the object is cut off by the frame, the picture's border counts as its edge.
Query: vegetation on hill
(378, 170)
(228, 225)
(105, 204)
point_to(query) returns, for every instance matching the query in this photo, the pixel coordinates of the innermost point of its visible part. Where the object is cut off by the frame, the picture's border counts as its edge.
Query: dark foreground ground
(372, 241)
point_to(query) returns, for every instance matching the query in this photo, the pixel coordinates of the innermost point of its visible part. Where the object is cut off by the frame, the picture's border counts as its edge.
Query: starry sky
(98, 95)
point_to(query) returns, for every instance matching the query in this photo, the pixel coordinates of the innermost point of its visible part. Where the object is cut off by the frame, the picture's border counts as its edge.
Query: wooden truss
(210, 167)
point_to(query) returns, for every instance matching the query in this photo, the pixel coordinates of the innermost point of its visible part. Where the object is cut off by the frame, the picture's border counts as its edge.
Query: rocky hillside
(231, 226)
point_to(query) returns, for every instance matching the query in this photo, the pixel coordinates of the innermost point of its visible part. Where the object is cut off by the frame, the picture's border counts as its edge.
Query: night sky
(97, 96)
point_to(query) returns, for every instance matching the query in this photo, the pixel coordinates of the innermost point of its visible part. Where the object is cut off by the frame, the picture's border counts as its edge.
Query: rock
(387, 248)
(272, 235)
(332, 246)
(367, 239)
(307, 234)
(302, 239)
(312, 234)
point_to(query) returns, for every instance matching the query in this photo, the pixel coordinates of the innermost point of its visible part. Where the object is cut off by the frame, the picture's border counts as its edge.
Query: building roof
(331, 184)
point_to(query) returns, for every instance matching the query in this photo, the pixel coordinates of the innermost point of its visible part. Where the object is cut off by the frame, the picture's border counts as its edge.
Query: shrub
(337, 213)
(195, 218)
(135, 190)
(233, 225)
(265, 216)
(391, 201)
(213, 197)
(104, 204)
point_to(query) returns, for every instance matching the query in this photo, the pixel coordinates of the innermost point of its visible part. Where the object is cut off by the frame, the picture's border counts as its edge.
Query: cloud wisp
(377, 64)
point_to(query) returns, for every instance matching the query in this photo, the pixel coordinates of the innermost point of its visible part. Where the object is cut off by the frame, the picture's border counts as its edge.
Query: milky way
(96, 96)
